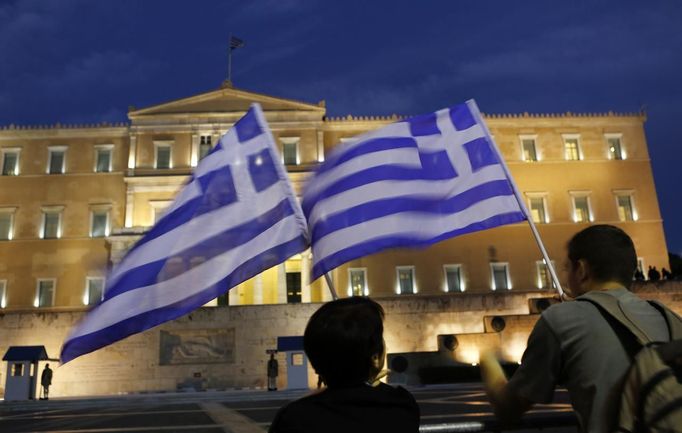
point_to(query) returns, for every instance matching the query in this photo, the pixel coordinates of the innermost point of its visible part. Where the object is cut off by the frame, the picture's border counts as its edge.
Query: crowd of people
(655, 275)
(588, 346)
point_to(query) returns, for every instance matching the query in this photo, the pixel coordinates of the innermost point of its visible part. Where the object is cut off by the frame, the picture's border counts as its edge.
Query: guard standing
(46, 381)
(273, 372)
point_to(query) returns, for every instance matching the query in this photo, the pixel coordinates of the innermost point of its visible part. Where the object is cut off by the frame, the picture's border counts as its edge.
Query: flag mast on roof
(234, 44)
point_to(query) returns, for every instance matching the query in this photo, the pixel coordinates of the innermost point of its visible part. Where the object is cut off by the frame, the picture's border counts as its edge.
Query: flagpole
(477, 114)
(330, 283)
(229, 59)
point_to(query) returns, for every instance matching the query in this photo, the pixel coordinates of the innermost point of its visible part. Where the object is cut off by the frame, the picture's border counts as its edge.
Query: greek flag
(411, 183)
(236, 217)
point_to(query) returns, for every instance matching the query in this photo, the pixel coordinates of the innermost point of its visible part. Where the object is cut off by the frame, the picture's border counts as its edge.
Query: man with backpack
(598, 346)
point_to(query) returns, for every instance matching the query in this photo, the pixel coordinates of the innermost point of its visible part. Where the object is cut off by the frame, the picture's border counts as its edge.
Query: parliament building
(74, 198)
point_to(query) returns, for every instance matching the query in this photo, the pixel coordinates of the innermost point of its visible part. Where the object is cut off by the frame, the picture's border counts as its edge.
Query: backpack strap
(612, 311)
(673, 320)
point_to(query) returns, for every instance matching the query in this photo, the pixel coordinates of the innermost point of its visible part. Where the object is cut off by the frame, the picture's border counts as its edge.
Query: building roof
(225, 100)
(25, 353)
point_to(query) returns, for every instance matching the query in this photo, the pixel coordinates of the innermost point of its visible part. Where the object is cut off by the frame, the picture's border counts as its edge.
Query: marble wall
(224, 347)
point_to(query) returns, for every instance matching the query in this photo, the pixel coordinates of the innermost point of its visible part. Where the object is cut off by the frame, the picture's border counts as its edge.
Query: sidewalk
(57, 403)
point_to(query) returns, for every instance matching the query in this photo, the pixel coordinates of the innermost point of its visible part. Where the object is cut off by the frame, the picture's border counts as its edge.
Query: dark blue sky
(87, 61)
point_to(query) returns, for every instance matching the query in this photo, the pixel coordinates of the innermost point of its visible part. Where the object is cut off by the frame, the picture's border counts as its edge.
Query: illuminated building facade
(73, 198)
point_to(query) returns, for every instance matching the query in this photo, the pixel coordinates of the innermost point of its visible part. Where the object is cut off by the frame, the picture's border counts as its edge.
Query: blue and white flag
(411, 183)
(236, 217)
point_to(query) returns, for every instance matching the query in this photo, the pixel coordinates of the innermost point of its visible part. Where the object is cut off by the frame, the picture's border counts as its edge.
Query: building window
(103, 158)
(582, 210)
(538, 208)
(293, 287)
(159, 208)
(99, 223)
(17, 369)
(45, 293)
(57, 160)
(290, 151)
(10, 162)
(613, 141)
(205, 145)
(405, 276)
(357, 279)
(528, 151)
(52, 223)
(162, 155)
(6, 224)
(453, 278)
(571, 148)
(3, 293)
(94, 290)
(500, 276)
(544, 276)
(626, 208)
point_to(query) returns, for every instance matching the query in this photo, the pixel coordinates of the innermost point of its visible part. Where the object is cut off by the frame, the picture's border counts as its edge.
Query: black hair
(608, 251)
(341, 338)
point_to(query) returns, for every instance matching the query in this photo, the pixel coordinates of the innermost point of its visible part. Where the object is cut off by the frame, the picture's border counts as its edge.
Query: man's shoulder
(573, 317)
(564, 309)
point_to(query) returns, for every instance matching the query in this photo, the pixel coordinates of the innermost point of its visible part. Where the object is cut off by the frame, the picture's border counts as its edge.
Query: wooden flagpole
(479, 119)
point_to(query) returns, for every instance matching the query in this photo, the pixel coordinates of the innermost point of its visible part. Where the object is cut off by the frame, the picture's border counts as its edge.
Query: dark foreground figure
(344, 342)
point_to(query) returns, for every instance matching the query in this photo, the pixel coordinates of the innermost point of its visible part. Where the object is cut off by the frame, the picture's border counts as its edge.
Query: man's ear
(583, 271)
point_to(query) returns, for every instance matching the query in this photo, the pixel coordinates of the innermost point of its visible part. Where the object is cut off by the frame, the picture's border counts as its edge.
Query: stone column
(132, 152)
(305, 276)
(281, 284)
(194, 151)
(130, 197)
(326, 293)
(320, 146)
(234, 296)
(258, 289)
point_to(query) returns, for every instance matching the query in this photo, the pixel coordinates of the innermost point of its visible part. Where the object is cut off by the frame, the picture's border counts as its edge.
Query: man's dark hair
(608, 251)
(342, 336)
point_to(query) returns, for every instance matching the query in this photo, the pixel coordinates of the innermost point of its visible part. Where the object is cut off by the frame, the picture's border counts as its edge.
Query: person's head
(600, 254)
(47, 365)
(344, 341)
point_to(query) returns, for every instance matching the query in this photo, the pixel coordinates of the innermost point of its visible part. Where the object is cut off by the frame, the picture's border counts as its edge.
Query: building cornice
(567, 115)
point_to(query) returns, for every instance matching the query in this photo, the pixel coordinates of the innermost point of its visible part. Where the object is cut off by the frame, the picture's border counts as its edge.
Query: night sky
(78, 61)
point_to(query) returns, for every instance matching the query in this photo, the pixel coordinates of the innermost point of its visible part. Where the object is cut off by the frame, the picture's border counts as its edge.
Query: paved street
(230, 411)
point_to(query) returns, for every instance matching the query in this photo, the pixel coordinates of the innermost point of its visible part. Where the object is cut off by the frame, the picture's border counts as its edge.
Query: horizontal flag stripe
(189, 192)
(149, 273)
(396, 188)
(148, 319)
(406, 240)
(134, 302)
(428, 225)
(196, 230)
(196, 207)
(398, 129)
(416, 205)
(370, 146)
(406, 157)
(375, 174)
